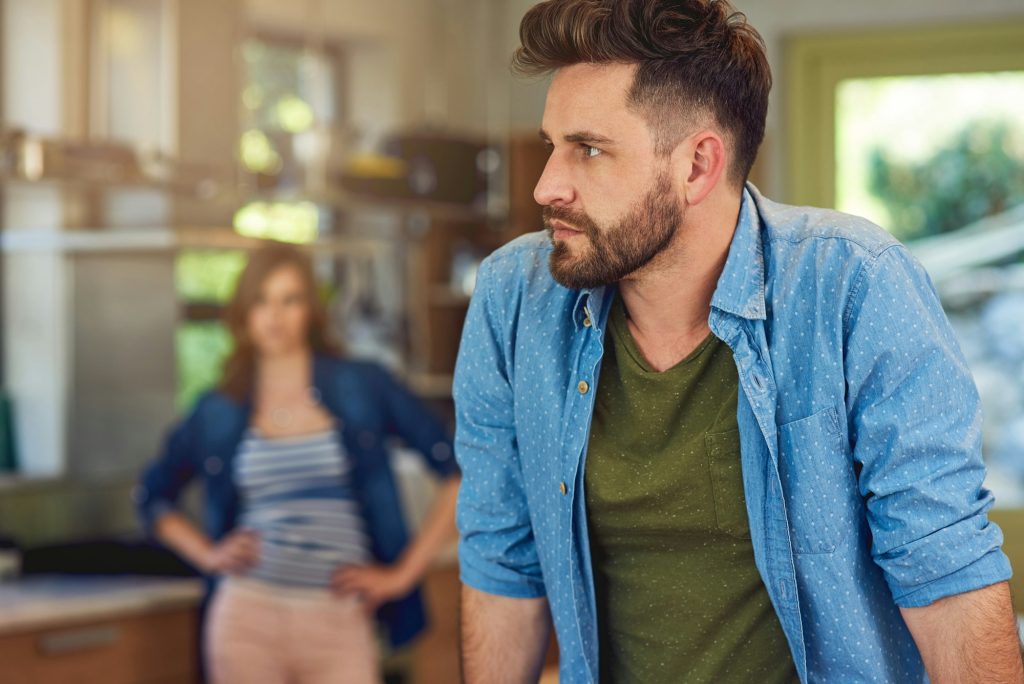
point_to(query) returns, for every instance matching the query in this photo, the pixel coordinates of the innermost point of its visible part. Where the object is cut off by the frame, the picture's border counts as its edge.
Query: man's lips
(562, 230)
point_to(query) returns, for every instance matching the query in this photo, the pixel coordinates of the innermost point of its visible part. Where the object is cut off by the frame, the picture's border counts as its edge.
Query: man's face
(609, 203)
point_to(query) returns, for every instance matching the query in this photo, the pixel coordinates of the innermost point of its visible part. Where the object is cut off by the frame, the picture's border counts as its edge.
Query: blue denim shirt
(368, 405)
(860, 436)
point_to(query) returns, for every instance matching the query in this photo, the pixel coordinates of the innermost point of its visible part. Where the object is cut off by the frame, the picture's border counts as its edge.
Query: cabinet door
(145, 649)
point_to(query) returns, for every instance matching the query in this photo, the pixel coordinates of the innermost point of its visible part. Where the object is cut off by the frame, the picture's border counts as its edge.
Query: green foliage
(208, 275)
(202, 347)
(980, 173)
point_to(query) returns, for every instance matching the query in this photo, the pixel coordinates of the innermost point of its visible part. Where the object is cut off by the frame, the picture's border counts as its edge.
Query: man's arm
(915, 425)
(970, 637)
(505, 616)
(504, 640)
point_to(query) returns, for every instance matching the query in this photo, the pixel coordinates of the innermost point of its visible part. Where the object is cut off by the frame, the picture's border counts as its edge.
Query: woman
(302, 523)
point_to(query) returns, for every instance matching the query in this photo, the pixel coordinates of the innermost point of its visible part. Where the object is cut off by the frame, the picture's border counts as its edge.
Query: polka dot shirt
(860, 434)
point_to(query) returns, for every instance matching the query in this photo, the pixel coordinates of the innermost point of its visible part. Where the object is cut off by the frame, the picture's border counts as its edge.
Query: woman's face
(279, 320)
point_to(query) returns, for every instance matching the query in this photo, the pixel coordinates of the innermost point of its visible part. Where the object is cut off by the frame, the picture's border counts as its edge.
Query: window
(290, 129)
(920, 131)
(204, 280)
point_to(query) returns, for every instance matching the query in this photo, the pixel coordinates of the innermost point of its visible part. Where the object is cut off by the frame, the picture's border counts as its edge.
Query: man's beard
(617, 251)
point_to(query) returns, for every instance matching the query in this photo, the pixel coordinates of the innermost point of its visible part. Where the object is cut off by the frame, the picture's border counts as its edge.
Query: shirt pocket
(724, 465)
(817, 478)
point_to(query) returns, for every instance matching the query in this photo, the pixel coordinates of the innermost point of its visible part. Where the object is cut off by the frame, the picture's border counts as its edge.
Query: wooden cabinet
(158, 647)
(438, 298)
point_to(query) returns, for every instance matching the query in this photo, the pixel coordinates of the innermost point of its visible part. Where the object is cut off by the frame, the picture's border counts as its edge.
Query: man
(711, 437)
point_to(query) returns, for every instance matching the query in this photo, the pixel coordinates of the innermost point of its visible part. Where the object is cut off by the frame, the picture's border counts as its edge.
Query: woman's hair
(240, 366)
(695, 59)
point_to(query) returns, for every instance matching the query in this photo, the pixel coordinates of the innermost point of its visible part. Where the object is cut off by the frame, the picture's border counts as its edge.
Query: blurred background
(147, 145)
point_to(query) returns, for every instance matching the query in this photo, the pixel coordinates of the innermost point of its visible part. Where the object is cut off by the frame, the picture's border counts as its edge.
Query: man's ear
(700, 163)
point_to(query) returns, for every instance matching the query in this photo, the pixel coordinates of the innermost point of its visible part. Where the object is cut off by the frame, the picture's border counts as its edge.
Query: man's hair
(695, 59)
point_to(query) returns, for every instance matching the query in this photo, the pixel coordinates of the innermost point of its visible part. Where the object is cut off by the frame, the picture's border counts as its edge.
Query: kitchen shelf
(159, 239)
(351, 202)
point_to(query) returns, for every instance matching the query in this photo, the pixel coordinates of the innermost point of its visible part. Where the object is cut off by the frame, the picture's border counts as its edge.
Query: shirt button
(562, 488)
(586, 322)
(583, 387)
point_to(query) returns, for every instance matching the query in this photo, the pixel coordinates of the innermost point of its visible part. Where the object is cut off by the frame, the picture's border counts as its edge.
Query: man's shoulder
(817, 228)
(530, 248)
(522, 265)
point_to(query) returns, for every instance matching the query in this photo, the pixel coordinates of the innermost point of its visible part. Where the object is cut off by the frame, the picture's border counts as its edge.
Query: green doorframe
(815, 64)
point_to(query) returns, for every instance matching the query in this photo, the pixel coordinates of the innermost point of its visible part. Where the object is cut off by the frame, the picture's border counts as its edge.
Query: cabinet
(151, 648)
(67, 629)
(439, 290)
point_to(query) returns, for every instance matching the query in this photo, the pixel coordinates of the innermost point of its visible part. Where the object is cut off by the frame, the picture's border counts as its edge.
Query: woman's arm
(238, 551)
(163, 479)
(378, 584)
(408, 418)
(438, 529)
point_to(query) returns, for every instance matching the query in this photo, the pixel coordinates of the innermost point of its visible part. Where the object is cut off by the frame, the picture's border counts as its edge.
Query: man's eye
(590, 151)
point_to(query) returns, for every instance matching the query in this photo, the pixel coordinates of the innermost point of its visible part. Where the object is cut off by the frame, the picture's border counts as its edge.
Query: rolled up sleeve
(497, 553)
(915, 426)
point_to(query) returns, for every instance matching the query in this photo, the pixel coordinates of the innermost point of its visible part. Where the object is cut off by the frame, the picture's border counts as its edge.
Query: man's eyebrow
(586, 137)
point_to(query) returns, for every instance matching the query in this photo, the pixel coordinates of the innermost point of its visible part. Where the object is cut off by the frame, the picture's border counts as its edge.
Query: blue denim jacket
(860, 436)
(369, 406)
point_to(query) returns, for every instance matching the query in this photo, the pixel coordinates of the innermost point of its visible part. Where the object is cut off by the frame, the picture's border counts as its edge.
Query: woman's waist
(264, 589)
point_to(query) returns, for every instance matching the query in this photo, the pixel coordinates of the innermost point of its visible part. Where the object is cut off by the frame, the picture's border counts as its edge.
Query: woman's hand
(375, 584)
(235, 553)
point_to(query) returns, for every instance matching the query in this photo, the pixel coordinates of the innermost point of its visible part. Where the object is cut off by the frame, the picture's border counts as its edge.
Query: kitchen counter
(39, 602)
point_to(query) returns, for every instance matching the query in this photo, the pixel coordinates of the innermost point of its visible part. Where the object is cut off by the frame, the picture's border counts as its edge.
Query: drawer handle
(74, 640)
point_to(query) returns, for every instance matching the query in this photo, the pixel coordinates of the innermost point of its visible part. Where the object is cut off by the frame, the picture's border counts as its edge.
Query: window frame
(815, 64)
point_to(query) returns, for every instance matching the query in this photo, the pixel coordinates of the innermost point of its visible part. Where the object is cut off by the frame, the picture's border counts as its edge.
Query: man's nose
(553, 187)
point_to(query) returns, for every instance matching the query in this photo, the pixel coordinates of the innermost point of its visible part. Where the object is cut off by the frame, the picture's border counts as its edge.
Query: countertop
(39, 602)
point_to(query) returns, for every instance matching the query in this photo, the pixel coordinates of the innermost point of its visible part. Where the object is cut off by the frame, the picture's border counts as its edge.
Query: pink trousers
(262, 634)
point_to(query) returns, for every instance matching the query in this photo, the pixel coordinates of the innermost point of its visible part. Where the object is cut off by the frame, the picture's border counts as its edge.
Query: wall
(93, 347)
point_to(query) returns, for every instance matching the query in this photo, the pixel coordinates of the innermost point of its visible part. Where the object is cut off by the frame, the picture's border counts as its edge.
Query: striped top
(297, 495)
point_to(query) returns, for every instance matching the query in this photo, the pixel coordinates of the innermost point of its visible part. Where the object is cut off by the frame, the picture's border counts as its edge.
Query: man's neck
(669, 301)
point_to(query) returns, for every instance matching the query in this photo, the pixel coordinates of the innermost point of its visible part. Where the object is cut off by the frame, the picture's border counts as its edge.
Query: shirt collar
(581, 308)
(740, 289)
(592, 304)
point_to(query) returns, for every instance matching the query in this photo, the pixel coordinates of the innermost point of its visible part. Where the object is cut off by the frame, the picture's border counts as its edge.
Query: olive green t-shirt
(679, 598)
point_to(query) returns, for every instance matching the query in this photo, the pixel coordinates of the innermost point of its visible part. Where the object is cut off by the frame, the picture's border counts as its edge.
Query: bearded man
(709, 437)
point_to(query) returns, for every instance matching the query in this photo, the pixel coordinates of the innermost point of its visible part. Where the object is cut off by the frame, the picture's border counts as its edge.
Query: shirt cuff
(992, 568)
(511, 584)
